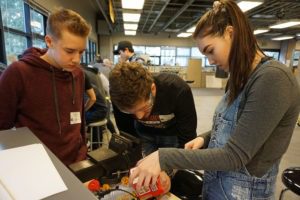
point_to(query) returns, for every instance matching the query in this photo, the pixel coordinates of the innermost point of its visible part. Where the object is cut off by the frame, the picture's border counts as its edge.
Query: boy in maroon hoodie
(44, 89)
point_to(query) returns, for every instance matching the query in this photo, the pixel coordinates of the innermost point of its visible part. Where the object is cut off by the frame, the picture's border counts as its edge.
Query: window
(14, 46)
(153, 51)
(296, 57)
(23, 27)
(139, 49)
(195, 53)
(37, 22)
(154, 60)
(182, 61)
(183, 51)
(183, 56)
(168, 55)
(272, 53)
(13, 14)
(38, 43)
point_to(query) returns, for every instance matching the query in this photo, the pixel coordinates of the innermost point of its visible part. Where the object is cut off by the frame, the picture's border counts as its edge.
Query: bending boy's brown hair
(129, 83)
(65, 19)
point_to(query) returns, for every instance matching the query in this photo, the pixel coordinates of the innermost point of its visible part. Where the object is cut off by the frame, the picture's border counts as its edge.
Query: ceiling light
(263, 16)
(132, 4)
(286, 37)
(191, 30)
(130, 32)
(184, 35)
(259, 31)
(286, 24)
(249, 4)
(131, 17)
(298, 34)
(130, 26)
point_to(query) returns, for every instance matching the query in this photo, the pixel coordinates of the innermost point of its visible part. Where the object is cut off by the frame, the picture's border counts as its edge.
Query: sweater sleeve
(10, 93)
(267, 101)
(186, 117)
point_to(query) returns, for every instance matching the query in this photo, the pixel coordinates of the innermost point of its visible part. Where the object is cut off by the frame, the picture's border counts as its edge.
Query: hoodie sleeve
(11, 88)
(83, 149)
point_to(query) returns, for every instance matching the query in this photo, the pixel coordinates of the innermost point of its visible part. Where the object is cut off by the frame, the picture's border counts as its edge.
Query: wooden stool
(105, 133)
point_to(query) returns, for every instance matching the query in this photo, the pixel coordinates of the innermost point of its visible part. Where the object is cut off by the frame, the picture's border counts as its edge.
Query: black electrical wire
(103, 193)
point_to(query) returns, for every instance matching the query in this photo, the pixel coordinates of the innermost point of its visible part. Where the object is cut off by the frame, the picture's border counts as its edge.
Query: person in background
(44, 89)
(93, 75)
(108, 63)
(161, 106)
(95, 112)
(126, 52)
(102, 67)
(253, 123)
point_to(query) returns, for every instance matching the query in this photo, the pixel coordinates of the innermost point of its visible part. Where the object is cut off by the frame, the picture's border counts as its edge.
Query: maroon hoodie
(47, 100)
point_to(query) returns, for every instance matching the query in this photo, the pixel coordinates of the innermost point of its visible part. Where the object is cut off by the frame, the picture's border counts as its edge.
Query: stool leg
(98, 136)
(106, 135)
(91, 138)
(281, 193)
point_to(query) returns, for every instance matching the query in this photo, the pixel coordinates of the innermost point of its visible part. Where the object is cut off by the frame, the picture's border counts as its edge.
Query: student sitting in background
(93, 76)
(97, 110)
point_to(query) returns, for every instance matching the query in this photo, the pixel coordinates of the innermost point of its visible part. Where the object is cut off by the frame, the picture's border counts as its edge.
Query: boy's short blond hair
(66, 19)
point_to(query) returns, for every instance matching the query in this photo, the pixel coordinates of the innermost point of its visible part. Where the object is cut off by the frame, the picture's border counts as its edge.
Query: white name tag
(75, 118)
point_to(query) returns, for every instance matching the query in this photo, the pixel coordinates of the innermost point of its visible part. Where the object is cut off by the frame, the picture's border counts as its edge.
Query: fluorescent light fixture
(130, 32)
(248, 5)
(132, 4)
(131, 17)
(298, 34)
(285, 37)
(259, 31)
(286, 24)
(130, 26)
(184, 35)
(191, 30)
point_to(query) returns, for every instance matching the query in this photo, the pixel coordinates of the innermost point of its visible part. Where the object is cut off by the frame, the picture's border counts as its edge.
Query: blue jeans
(220, 185)
(240, 184)
(151, 141)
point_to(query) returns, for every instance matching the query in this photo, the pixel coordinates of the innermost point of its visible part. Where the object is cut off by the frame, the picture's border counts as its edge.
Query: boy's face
(142, 108)
(124, 54)
(66, 52)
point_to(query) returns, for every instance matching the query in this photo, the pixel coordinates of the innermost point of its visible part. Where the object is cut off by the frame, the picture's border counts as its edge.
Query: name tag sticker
(75, 118)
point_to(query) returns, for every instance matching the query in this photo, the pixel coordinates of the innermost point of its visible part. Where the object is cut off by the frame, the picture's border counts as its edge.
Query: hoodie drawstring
(55, 100)
(73, 90)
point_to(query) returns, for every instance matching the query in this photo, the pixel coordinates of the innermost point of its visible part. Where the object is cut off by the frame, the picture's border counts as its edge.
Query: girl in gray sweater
(253, 123)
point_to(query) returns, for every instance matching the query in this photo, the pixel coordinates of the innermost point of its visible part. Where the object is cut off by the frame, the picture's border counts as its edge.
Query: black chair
(291, 179)
(187, 184)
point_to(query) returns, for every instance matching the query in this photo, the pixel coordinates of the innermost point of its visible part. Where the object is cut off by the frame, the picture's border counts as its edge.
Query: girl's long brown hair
(244, 45)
